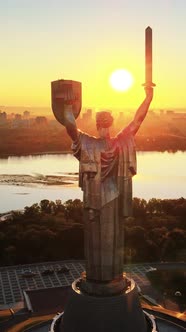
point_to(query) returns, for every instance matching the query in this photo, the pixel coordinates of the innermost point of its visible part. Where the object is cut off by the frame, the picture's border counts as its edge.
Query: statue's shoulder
(86, 137)
(124, 140)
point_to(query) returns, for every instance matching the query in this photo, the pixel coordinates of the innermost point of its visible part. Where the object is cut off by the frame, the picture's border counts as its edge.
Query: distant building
(17, 121)
(26, 115)
(18, 116)
(162, 112)
(3, 118)
(170, 112)
(41, 121)
(152, 113)
(12, 116)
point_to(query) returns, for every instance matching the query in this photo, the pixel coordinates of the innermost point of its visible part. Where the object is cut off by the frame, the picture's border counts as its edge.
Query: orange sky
(42, 41)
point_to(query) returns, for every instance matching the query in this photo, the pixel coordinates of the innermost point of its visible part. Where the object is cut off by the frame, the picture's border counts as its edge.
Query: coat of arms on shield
(60, 89)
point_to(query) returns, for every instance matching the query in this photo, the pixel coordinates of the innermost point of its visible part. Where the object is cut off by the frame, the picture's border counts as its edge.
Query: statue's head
(104, 120)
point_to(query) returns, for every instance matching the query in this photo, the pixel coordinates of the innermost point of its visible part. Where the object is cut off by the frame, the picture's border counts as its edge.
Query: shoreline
(6, 155)
(41, 153)
(40, 179)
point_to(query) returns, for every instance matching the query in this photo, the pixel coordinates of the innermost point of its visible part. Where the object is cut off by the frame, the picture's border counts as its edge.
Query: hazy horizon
(44, 40)
(84, 108)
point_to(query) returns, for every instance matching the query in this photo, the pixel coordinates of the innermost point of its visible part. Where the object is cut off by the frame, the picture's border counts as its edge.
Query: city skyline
(86, 41)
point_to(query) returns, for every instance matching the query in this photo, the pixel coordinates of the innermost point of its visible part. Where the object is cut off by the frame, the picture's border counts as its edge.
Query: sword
(148, 58)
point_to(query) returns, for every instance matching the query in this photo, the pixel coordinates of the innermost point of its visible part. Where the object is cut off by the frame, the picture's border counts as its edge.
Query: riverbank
(40, 153)
(36, 141)
(38, 179)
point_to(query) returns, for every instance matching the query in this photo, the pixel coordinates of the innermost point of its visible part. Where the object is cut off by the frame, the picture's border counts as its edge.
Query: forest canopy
(54, 231)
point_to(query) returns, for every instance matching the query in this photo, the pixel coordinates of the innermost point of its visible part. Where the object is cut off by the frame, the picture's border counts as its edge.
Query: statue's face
(103, 121)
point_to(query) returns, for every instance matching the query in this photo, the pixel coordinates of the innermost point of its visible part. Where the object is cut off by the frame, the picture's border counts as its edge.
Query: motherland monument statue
(106, 167)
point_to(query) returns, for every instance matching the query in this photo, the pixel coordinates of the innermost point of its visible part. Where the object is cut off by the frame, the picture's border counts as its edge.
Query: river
(160, 175)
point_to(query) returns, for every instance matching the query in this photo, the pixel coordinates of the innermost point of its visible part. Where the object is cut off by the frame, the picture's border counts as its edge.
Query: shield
(59, 90)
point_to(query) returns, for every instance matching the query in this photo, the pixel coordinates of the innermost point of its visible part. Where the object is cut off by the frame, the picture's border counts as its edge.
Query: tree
(135, 241)
(139, 207)
(74, 210)
(154, 206)
(47, 206)
(180, 208)
(173, 244)
(32, 211)
(157, 235)
(59, 207)
(10, 254)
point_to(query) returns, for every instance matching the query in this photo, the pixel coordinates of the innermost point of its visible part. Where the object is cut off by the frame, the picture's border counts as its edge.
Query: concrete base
(88, 313)
(110, 288)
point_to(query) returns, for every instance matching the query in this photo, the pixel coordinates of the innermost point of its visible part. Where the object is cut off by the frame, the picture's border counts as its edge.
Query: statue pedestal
(108, 288)
(89, 313)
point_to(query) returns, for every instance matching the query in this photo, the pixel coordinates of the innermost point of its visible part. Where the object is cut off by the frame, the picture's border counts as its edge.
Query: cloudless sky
(44, 40)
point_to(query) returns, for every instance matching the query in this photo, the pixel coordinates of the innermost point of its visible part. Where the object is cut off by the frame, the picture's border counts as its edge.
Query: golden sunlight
(121, 80)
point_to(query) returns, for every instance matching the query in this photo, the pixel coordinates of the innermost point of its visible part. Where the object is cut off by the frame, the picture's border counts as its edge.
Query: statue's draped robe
(105, 175)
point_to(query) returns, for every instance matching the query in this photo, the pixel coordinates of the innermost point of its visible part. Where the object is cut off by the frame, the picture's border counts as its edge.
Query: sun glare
(121, 80)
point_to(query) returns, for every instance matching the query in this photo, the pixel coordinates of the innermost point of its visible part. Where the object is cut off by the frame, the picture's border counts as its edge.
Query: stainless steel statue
(104, 299)
(106, 167)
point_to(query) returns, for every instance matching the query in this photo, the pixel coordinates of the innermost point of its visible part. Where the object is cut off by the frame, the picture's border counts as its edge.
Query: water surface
(160, 175)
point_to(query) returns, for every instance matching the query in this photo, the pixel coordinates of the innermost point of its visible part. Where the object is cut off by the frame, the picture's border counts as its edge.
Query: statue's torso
(103, 163)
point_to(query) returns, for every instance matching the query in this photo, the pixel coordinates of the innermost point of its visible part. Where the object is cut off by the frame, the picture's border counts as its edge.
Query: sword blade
(148, 57)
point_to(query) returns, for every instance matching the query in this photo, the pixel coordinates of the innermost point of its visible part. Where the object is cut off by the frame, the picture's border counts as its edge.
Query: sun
(121, 80)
